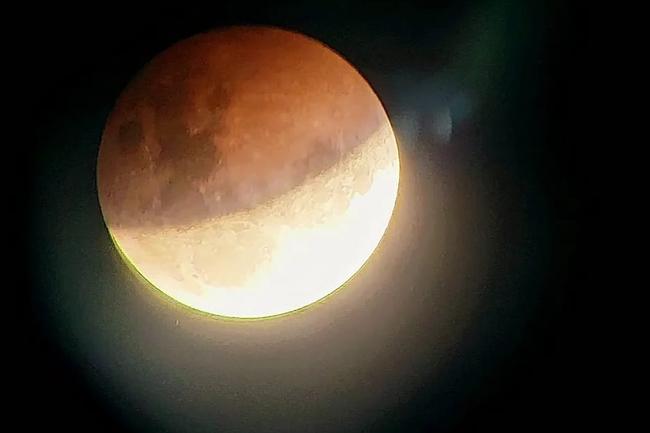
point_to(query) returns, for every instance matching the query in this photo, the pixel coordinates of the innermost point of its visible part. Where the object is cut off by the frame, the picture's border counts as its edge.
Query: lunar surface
(247, 172)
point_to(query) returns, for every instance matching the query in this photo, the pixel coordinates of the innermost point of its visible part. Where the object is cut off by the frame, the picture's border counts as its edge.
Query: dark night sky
(470, 321)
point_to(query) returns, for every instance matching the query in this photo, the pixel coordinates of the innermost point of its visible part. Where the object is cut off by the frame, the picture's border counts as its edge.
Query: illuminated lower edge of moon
(281, 256)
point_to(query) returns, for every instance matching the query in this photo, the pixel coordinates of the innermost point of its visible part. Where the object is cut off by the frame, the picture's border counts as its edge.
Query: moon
(247, 172)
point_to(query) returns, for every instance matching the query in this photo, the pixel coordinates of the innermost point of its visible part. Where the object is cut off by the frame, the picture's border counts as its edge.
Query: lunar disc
(247, 172)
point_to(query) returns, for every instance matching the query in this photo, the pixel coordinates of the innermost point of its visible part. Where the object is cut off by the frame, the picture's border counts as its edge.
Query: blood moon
(247, 172)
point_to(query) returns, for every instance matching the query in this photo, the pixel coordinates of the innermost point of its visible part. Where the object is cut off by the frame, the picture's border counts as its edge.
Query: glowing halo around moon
(248, 172)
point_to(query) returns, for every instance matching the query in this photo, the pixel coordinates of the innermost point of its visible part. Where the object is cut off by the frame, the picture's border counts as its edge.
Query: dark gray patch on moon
(130, 135)
(322, 155)
(192, 156)
(218, 98)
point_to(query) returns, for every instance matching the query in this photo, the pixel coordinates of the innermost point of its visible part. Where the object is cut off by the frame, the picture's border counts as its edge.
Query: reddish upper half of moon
(227, 120)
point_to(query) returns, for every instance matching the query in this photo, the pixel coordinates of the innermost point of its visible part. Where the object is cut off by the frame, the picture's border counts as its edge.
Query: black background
(524, 367)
